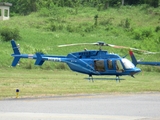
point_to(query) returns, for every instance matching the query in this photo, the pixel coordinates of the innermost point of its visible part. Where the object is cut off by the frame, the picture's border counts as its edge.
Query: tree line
(25, 7)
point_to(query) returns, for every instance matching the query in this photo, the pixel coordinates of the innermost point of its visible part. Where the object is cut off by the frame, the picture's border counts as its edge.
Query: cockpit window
(119, 66)
(127, 64)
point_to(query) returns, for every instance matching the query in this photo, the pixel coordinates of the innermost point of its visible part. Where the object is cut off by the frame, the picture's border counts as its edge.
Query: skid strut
(91, 78)
(117, 79)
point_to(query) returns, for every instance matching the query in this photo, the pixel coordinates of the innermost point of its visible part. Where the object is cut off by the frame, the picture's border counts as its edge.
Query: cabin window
(99, 65)
(110, 65)
(119, 66)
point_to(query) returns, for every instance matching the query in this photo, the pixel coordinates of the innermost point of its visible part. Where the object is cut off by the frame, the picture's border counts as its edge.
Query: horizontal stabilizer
(39, 60)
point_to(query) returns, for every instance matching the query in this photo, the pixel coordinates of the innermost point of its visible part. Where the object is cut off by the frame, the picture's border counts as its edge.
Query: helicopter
(90, 62)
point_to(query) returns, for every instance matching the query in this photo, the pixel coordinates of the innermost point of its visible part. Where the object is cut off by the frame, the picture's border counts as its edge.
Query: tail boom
(135, 62)
(17, 55)
(39, 57)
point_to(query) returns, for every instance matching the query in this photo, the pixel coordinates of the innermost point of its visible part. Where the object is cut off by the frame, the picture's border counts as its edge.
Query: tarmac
(140, 106)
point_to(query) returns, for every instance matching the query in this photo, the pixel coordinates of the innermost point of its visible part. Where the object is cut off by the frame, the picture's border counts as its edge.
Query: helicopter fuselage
(100, 63)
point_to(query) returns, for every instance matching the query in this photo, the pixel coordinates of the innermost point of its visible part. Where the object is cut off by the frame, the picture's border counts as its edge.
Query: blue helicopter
(90, 62)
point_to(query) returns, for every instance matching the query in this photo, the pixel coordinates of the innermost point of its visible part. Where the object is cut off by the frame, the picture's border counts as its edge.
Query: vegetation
(8, 34)
(134, 26)
(25, 7)
(43, 25)
(40, 83)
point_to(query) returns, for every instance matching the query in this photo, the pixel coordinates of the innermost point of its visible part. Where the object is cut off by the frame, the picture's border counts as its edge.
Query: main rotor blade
(77, 44)
(100, 43)
(134, 49)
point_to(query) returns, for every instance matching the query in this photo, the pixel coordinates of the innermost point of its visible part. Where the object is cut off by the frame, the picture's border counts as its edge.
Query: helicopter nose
(137, 70)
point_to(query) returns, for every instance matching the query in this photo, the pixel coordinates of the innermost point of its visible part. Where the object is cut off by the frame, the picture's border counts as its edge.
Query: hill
(134, 26)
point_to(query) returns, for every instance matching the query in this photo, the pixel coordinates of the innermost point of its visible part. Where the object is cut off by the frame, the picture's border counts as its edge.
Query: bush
(137, 34)
(157, 69)
(53, 27)
(147, 68)
(71, 28)
(8, 34)
(107, 21)
(126, 23)
(147, 33)
(157, 29)
(89, 29)
(61, 66)
(141, 34)
(44, 12)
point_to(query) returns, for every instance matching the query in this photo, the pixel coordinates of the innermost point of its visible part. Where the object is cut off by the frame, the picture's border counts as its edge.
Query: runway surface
(83, 107)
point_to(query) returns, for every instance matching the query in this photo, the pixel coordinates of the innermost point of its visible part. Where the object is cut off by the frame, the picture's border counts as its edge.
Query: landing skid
(117, 79)
(90, 78)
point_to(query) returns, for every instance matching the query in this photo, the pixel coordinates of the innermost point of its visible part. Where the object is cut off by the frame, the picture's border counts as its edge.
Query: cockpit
(127, 64)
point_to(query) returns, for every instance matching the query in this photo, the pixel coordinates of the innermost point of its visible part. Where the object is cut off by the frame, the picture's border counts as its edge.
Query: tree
(122, 2)
(106, 4)
(154, 3)
(25, 7)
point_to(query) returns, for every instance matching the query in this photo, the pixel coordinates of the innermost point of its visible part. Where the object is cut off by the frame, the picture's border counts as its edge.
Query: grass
(38, 35)
(36, 83)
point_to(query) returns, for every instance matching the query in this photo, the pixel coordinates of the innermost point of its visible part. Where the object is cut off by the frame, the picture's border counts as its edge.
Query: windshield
(127, 64)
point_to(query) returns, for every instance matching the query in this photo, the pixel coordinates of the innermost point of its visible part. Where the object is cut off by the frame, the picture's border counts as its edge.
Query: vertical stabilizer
(39, 60)
(16, 53)
(134, 60)
(15, 47)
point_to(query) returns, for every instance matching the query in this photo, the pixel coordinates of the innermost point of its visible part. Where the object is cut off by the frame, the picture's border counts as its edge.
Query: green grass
(39, 33)
(36, 83)
(36, 33)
